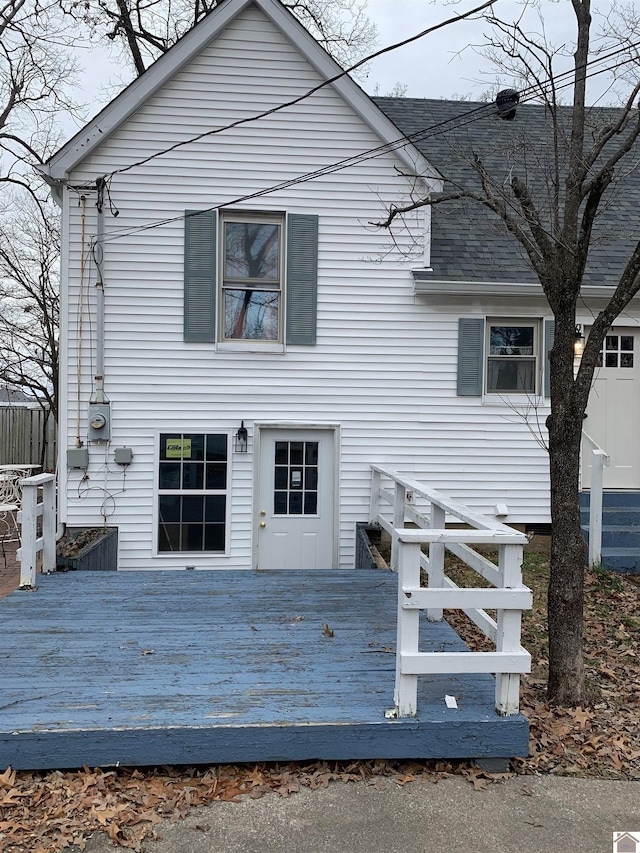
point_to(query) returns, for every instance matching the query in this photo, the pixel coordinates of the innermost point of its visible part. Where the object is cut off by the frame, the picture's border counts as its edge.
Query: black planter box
(100, 555)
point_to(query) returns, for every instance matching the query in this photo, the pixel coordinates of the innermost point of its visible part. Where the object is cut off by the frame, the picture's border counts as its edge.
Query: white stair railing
(599, 458)
(38, 503)
(509, 597)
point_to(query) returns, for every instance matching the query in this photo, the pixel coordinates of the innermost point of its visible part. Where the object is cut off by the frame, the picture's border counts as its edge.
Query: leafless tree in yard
(145, 29)
(555, 201)
(29, 303)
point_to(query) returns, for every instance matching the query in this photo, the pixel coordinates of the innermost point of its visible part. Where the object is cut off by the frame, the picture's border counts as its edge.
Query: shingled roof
(469, 242)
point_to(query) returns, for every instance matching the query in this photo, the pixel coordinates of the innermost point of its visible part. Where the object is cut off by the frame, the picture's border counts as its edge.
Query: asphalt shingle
(471, 243)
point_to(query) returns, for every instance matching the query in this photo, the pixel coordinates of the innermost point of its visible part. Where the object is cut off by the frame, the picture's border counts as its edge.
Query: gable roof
(59, 166)
(468, 242)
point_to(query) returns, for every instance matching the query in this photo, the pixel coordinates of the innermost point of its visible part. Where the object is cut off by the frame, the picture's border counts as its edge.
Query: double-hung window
(251, 278)
(503, 356)
(192, 492)
(512, 357)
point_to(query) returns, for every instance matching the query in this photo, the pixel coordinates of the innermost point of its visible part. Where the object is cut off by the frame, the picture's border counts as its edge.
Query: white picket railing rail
(395, 500)
(38, 504)
(599, 458)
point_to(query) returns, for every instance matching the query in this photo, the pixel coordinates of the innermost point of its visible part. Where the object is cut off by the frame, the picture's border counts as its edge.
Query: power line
(445, 126)
(307, 94)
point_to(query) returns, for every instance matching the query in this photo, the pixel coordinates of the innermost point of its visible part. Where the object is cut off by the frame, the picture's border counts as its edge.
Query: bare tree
(145, 29)
(29, 303)
(554, 202)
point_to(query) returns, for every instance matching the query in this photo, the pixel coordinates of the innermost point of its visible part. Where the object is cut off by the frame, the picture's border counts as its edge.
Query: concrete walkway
(521, 815)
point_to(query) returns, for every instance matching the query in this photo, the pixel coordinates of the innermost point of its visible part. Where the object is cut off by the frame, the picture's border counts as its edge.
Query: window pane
(170, 446)
(611, 359)
(511, 340)
(216, 448)
(251, 315)
(252, 250)
(626, 342)
(611, 342)
(192, 475)
(295, 503)
(311, 478)
(215, 507)
(296, 478)
(282, 452)
(193, 447)
(311, 453)
(192, 507)
(280, 503)
(296, 452)
(169, 507)
(169, 475)
(169, 537)
(214, 537)
(216, 475)
(511, 375)
(310, 503)
(281, 477)
(192, 537)
(626, 359)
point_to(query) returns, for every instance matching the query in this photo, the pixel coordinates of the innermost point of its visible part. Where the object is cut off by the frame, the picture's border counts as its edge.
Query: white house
(240, 340)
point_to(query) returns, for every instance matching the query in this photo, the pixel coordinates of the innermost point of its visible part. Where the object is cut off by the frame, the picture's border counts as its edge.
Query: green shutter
(200, 276)
(302, 278)
(470, 356)
(549, 334)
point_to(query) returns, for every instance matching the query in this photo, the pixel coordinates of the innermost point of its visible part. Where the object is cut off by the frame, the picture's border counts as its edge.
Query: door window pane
(295, 478)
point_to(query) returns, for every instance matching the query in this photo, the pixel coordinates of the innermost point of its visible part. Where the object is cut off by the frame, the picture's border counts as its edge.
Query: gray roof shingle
(469, 242)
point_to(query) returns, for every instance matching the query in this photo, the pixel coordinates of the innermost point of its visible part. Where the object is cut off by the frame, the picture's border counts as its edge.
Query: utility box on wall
(99, 422)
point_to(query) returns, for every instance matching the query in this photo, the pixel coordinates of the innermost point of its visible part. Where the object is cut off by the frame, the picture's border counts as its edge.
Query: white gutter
(432, 287)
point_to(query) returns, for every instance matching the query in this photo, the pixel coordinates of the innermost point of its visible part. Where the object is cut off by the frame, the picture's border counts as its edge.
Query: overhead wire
(307, 94)
(445, 126)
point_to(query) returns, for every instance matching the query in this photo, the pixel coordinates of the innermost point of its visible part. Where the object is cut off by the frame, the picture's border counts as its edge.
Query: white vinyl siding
(383, 365)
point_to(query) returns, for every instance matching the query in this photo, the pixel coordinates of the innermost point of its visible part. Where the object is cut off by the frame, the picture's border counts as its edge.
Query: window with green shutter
(503, 356)
(250, 277)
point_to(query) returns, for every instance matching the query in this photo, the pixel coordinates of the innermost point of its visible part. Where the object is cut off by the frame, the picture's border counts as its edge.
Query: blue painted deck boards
(205, 667)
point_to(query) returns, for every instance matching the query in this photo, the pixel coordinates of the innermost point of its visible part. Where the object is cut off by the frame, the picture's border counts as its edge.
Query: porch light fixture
(578, 341)
(241, 439)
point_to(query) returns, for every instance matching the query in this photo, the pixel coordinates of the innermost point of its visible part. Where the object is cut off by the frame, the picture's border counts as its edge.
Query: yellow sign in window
(178, 448)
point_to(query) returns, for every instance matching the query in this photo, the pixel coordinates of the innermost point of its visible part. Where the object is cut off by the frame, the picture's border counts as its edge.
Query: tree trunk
(565, 601)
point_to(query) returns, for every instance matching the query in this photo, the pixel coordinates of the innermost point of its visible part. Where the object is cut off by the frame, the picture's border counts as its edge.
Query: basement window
(192, 492)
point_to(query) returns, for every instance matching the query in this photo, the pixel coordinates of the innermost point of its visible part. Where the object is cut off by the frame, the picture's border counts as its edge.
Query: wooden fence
(27, 436)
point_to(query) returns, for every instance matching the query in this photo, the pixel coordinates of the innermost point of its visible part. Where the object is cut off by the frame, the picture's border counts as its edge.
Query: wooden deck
(144, 668)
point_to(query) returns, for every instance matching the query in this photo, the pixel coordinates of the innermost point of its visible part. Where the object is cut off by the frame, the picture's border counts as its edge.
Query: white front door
(614, 410)
(296, 494)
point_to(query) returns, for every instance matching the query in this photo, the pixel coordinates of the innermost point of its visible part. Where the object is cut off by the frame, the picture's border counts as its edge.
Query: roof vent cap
(506, 101)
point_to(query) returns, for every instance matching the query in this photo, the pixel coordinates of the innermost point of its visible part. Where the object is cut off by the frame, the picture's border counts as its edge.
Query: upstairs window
(512, 357)
(251, 279)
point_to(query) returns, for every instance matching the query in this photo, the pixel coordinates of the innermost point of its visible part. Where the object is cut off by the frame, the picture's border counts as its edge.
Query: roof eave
(424, 285)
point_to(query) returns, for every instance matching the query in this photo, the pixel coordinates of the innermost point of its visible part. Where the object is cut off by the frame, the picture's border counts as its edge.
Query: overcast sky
(441, 65)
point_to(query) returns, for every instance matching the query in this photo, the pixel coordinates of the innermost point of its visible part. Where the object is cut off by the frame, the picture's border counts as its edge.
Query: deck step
(620, 529)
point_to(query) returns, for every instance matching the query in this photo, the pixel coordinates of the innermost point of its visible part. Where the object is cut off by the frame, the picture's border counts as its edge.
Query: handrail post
(599, 459)
(28, 549)
(436, 560)
(408, 629)
(509, 625)
(374, 498)
(399, 498)
(49, 526)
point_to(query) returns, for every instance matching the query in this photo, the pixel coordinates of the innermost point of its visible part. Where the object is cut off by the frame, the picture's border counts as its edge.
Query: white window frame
(191, 492)
(533, 322)
(259, 218)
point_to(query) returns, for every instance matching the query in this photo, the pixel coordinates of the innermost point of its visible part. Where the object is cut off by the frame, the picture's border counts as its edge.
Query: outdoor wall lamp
(241, 439)
(578, 340)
